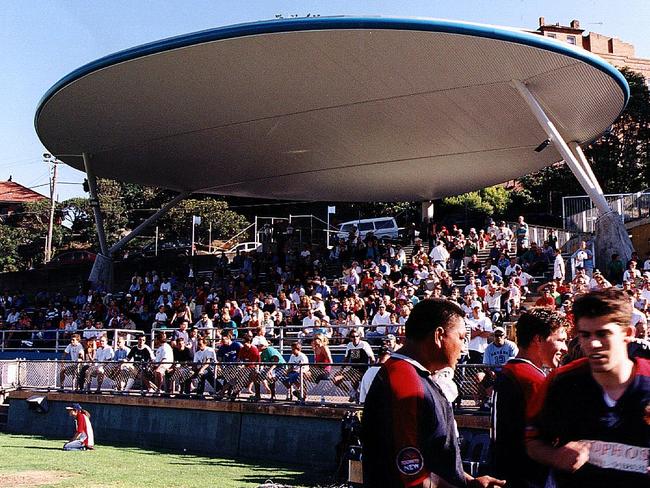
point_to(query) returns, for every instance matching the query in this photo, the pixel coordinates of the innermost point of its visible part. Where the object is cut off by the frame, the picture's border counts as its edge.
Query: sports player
(84, 437)
(408, 429)
(541, 335)
(591, 420)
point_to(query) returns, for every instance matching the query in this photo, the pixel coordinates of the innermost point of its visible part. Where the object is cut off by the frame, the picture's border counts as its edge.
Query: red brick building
(612, 49)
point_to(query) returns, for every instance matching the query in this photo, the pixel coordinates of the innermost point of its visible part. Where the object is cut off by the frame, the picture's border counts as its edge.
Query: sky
(42, 41)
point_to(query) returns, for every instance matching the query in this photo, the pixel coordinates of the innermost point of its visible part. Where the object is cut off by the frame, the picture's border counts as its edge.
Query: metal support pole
(584, 178)
(135, 232)
(94, 203)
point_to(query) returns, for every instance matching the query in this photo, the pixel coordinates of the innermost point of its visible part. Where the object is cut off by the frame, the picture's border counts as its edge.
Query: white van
(381, 227)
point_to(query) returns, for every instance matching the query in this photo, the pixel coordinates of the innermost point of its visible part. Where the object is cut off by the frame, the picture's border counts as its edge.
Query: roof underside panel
(349, 114)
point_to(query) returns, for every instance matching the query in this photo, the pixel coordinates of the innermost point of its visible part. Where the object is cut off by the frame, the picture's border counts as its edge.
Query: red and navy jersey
(408, 429)
(571, 406)
(516, 385)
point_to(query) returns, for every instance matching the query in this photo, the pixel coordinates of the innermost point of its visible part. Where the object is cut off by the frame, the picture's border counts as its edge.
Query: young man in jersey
(408, 429)
(591, 419)
(541, 336)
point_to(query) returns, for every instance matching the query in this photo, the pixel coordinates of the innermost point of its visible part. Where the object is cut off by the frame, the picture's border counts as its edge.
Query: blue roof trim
(329, 23)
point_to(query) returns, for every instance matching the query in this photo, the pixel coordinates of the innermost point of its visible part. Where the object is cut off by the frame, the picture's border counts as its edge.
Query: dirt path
(32, 479)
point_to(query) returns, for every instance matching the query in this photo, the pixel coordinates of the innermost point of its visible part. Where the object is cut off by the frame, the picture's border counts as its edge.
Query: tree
(491, 201)
(225, 223)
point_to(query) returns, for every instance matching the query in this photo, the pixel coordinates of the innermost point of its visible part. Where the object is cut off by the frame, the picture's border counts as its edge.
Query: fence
(331, 384)
(579, 213)
(539, 233)
(9, 378)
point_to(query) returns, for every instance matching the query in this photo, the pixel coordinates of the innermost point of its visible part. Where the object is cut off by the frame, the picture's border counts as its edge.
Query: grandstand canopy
(337, 109)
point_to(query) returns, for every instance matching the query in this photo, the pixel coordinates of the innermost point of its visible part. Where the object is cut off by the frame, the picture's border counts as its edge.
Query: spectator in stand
(103, 355)
(559, 271)
(161, 319)
(246, 374)
(439, 253)
(74, 352)
(546, 300)
(632, 274)
(615, 269)
(581, 257)
(480, 328)
(164, 359)
(522, 236)
(141, 355)
(180, 374)
(499, 351)
(204, 364)
(359, 355)
(269, 373)
(181, 333)
(298, 367)
(369, 375)
(541, 336)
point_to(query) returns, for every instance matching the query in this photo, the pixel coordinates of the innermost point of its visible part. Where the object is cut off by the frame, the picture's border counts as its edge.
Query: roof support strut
(610, 228)
(102, 272)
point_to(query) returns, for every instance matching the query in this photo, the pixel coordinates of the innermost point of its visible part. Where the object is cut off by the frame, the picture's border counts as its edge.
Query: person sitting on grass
(84, 437)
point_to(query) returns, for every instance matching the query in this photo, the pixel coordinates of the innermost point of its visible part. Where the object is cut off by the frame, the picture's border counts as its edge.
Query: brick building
(612, 49)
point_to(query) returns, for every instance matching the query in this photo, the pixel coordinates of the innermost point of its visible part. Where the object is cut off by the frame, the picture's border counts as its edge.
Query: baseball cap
(389, 337)
(499, 330)
(477, 304)
(75, 406)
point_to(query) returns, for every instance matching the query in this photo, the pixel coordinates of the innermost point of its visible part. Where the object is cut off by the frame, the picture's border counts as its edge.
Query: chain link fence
(9, 375)
(325, 384)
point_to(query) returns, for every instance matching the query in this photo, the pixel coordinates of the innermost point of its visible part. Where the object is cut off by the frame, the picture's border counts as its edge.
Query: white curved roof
(337, 109)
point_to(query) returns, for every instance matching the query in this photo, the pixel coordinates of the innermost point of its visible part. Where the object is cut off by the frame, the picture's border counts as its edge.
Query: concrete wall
(249, 431)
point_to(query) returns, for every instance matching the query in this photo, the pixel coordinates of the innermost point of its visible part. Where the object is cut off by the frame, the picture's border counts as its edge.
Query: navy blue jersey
(571, 407)
(408, 429)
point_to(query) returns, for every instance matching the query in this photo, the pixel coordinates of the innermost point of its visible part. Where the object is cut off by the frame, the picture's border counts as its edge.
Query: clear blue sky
(44, 40)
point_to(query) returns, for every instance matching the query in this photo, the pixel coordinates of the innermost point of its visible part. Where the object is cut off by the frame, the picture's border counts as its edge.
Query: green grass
(126, 467)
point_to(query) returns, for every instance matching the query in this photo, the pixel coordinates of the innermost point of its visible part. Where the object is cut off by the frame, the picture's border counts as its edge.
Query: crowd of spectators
(372, 288)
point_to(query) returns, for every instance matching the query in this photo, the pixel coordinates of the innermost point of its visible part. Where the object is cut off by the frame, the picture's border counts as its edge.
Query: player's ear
(438, 334)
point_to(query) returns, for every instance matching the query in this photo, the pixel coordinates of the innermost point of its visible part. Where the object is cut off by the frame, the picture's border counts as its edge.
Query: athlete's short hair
(430, 314)
(538, 321)
(611, 302)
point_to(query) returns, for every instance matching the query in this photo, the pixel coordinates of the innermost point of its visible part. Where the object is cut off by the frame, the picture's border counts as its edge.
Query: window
(551, 34)
(384, 224)
(347, 228)
(366, 226)
(571, 40)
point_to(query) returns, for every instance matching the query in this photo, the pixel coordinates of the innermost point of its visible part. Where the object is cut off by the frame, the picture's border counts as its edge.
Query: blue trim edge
(331, 23)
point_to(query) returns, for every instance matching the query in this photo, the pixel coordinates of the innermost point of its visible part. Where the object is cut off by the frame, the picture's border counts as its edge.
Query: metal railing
(324, 384)
(579, 213)
(539, 233)
(56, 340)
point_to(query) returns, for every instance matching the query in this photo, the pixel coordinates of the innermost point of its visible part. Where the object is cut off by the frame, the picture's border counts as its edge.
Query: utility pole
(48, 158)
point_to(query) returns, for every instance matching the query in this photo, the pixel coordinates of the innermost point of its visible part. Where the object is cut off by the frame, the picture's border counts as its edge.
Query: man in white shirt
(204, 361)
(164, 359)
(103, 354)
(480, 328)
(73, 352)
(559, 270)
(166, 286)
(439, 253)
(380, 321)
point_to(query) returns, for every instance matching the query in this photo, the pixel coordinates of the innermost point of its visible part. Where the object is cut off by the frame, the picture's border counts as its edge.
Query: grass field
(28, 461)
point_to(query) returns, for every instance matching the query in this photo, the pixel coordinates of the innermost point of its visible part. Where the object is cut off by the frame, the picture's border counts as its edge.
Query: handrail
(223, 246)
(35, 335)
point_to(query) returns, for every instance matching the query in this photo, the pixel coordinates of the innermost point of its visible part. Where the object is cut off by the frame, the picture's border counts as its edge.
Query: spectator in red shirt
(546, 300)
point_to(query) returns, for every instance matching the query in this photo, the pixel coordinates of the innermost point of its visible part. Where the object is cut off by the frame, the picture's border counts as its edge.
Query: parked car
(73, 257)
(177, 247)
(381, 227)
